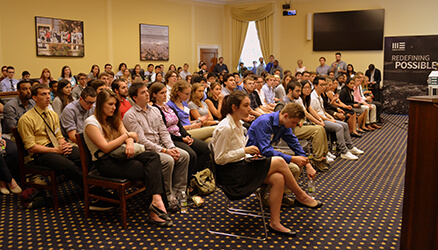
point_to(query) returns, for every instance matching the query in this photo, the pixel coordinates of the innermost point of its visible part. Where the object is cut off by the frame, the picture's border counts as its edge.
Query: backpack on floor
(32, 198)
(204, 182)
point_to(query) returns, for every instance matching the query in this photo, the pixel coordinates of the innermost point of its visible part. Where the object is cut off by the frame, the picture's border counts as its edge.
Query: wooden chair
(93, 179)
(33, 169)
(253, 213)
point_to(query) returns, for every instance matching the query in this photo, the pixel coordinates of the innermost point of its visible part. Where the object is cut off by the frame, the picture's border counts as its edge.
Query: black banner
(408, 61)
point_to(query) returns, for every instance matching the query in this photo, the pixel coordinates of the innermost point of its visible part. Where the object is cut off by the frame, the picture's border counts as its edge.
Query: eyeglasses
(89, 103)
(185, 93)
(82, 79)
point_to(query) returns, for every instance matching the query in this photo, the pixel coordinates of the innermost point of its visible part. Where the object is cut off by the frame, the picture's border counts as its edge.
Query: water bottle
(311, 188)
(2, 148)
(183, 202)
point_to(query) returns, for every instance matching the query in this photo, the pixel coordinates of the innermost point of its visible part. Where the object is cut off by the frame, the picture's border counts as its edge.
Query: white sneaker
(356, 151)
(331, 155)
(349, 156)
(329, 160)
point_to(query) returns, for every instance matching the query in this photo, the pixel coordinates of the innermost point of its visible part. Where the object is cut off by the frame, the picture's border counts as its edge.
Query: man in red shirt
(120, 87)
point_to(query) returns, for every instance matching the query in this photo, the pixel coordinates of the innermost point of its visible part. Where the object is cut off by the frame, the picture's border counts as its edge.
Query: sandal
(159, 212)
(165, 223)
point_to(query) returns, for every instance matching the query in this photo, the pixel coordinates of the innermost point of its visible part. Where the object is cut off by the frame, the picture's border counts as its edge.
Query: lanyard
(51, 130)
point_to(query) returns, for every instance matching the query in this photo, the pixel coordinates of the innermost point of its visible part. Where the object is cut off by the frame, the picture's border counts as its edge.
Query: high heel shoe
(159, 212)
(165, 223)
(16, 190)
(4, 190)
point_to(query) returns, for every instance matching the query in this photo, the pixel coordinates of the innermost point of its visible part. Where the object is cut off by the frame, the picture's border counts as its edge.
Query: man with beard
(120, 87)
(17, 106)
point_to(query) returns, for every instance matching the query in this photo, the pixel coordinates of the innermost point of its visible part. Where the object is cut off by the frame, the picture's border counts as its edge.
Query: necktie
(49, 130)
(12, 85)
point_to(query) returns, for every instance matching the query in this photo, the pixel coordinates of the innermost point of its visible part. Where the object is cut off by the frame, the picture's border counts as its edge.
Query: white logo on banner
(400, 46)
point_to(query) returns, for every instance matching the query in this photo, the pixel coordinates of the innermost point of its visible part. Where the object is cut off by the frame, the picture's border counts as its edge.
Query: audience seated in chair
(82, 83)
(198, 108)
(240, 178)
(345, 144)
(316, 133)
(197, 149)
(17, 106)
(347, 109)
(63, 96)
(42, 137)
(75, 113)
(215, 100)
(104, 132)
(269, 129)
(180, 93)
(152, 133)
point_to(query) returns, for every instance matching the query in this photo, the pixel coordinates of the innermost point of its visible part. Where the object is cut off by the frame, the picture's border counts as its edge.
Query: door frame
(208, 46)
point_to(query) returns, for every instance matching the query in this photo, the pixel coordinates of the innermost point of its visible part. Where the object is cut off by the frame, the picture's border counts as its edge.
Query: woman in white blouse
(241, 176)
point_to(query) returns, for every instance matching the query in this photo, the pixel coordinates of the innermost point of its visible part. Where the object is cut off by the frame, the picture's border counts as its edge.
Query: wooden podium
(420, 204)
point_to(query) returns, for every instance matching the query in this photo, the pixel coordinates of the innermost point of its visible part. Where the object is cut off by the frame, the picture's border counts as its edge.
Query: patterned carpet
(362, 210)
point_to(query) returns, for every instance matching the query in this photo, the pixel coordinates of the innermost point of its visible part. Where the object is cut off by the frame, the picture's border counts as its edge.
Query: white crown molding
(226, 2)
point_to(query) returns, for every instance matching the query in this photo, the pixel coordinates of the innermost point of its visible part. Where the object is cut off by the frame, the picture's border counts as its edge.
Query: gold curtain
(238, 29)
(241, 15)
(252, 12)
(264, 32)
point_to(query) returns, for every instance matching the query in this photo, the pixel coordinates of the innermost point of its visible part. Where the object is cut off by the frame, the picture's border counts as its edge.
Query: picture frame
(154, 42)
(59, 37)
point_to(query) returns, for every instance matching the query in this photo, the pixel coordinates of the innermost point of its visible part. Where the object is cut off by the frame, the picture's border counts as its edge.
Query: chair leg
(123, 207)
(240, 213)
(86, 200)
(54, 190)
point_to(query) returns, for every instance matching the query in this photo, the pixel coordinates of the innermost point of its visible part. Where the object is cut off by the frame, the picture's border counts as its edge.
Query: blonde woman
(199, 109)
(179, 96)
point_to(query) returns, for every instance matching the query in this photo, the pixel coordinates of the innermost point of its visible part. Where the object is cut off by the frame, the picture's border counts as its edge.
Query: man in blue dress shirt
(268, 129)
(9, 83)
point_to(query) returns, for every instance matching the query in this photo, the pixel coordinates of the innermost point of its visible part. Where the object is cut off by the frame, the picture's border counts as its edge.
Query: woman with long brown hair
(104, 132)
(63, 97)
(46, 76)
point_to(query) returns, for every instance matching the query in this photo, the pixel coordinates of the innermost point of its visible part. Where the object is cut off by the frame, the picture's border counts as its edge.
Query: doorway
(209, 56)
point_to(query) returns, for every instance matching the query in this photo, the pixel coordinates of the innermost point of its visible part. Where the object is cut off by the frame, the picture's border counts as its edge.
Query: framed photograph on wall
(154, 42)
(59, 37)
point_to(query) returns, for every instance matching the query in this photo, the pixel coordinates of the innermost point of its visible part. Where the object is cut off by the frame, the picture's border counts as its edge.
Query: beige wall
(402, 17)
(111, 31)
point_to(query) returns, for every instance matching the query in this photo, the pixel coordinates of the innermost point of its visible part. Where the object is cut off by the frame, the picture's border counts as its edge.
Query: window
(251, 48)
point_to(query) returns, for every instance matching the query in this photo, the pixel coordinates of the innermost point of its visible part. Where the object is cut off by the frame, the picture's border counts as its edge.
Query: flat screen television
(348, 30)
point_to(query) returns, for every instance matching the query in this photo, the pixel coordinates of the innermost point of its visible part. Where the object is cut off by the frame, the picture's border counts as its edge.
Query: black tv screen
(348, 30)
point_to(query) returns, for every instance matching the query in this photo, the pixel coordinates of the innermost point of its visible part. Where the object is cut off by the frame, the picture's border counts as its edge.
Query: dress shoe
(4, 190)
(365, 129)
(355, 135)
(299, 204)
(165, 223)
(289, 233)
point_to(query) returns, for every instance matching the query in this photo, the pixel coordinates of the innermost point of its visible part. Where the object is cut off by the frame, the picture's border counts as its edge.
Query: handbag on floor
(204, 182)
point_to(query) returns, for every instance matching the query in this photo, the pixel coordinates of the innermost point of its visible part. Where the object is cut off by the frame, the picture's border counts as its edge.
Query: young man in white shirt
(348, 150)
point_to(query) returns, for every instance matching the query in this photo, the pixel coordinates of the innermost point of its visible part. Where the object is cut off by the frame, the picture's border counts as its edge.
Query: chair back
(20, 147)
(84, 153)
